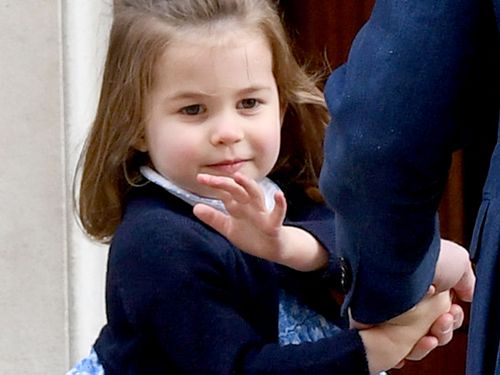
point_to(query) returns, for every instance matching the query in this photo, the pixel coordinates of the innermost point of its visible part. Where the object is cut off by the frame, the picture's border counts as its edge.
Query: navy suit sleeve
(397, 112)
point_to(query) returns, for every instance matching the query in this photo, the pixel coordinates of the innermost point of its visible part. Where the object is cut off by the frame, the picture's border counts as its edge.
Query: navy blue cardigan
(181, 299)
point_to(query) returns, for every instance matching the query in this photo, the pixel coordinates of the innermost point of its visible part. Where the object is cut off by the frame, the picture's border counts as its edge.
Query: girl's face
(214, 109)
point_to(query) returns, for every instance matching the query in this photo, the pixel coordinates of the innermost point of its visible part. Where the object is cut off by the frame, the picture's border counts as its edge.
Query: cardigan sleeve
(319, 220)
(183, 286)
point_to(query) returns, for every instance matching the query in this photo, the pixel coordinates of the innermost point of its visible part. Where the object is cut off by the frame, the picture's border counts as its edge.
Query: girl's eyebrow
(195, 94)
(180, 95)
(253, 89)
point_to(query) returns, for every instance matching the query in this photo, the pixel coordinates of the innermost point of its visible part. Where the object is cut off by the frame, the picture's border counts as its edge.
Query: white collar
(268, 186)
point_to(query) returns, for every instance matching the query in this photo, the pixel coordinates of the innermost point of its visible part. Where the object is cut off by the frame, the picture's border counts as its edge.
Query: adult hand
(454, 271)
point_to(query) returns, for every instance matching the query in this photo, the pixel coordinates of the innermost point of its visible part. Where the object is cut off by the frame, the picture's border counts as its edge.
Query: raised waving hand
(254, 228)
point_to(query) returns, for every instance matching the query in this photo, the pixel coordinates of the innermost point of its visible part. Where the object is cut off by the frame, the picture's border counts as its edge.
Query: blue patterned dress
(297, 323)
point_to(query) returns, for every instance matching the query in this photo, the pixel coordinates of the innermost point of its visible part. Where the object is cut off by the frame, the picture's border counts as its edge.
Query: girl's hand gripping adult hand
(388, 344)
(254, 229)
(453, 271)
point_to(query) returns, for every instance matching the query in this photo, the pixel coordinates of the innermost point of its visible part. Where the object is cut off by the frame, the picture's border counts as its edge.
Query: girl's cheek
(183, 153)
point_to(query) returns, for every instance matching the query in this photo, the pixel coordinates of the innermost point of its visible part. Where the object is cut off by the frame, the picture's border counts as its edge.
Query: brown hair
(139, 35)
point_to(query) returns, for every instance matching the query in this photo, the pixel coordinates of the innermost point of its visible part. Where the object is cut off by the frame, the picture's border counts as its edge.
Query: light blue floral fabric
(297, 323)
(89, 365)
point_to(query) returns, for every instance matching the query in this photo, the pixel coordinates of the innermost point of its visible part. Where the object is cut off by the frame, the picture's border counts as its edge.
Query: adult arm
(397, 108)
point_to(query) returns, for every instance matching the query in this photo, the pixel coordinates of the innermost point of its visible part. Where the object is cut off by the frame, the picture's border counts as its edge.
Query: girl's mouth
(228, 166)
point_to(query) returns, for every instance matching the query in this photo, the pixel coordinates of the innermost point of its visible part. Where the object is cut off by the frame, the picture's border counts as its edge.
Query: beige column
(33, 318)
(51, 278)
(85, 29)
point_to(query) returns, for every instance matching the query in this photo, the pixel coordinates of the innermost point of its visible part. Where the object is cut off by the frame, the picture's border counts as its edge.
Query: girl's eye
(192, 110)
(248, 103)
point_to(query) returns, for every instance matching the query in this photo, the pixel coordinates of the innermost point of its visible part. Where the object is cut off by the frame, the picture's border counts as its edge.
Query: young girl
(202, 101)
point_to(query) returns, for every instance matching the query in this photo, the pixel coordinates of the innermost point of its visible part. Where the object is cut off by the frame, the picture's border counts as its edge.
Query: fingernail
(431, 290)
(447, 328)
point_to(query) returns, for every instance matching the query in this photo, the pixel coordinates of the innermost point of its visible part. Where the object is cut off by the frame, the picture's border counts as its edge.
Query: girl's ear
(140, 144)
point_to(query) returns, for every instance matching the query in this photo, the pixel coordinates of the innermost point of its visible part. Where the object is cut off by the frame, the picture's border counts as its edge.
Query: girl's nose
(227, 130)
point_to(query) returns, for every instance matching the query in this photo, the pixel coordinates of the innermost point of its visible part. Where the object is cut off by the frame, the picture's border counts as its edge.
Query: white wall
(51, 278)
(85, 30)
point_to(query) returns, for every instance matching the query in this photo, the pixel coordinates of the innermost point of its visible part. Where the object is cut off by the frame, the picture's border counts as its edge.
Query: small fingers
(400, 364)
(212, 217)
(464, 289)
(442, 329)
(279, 211)
(458, 315)
(431, 291)
(251, 187)
(228, 185)
(422, 348)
